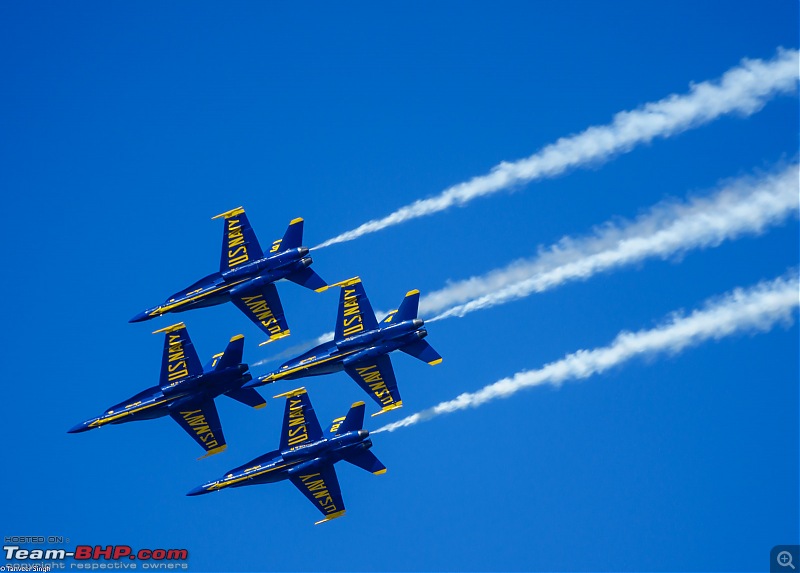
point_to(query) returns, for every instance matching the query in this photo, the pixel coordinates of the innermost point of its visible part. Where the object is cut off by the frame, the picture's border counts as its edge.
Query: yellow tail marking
(356, 404)
(435, 362)
(295, 221)
(380, 472)
(230, 213)
(412, 292)
(171, 328)
(237, 337)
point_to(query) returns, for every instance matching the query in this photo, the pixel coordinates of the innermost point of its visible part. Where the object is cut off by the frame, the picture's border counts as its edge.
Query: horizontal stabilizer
(366, 460)
(248, 397)
(232, 356)
(309, 279)
(422, 351)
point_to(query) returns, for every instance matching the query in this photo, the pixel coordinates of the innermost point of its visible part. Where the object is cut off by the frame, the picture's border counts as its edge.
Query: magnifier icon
(785, 559)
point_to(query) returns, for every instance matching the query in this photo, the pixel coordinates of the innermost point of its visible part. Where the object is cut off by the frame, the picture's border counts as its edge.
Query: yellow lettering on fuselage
(197, 422)
(237, 249)
(351, 315)
(176, 359)
(259, 307)
(320, 492)
(297, 429)
(372, 378)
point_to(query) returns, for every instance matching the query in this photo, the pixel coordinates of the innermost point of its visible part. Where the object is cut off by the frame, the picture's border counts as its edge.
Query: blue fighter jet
(186, 391)
(306, 457)
(246, 276)
(360, 346)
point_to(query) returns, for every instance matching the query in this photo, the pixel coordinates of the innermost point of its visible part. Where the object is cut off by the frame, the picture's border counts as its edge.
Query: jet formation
(186, 390)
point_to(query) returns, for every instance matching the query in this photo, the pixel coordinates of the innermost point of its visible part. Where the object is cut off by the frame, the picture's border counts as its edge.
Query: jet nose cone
(82, 427)
(144, 315)
(199, 490)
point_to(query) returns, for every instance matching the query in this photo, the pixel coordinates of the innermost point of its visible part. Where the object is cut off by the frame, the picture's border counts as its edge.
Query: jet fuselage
(159, 401)
(333, 356)
(218, 288)
(280, 465)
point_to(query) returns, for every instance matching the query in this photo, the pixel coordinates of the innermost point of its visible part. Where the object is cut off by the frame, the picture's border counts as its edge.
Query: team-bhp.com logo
(87, 555)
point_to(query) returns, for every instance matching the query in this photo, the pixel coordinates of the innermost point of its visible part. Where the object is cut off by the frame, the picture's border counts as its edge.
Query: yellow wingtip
(412, 292)
(264, 405)
(230, 213)
(395, 406)
(331, 516)
(296, 220)
(170, 328)
(322, 289)
(213, 451)
(380, 472)
(295, 392)
(435, 362)
(283, 334)
(347, 282)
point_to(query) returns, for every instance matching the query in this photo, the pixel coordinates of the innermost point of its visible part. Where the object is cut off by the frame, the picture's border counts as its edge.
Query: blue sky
(126, 128)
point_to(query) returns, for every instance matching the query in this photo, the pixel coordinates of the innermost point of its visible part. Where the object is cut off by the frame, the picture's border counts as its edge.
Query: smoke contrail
(745, 206)
(743, 89)
(758, 308)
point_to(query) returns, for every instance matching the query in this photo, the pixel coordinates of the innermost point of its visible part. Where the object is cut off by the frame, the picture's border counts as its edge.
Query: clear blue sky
(125, 127)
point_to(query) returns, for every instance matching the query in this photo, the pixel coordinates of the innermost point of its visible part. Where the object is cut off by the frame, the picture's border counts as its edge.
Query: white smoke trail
(755, 309)
(744, 89)
(295, 349)
(745, 206)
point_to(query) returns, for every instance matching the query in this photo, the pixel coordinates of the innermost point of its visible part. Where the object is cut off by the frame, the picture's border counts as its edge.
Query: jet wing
(355, 311)
(321, 487)
(179, 359)
(264, 308)
(300, 424)
(239, 242)
(201, 422)
(376, 377)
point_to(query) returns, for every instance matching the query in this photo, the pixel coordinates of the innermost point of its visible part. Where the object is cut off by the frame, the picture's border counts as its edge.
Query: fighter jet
(306, 456)
(186, 391)
(246, 276)
(360, 346)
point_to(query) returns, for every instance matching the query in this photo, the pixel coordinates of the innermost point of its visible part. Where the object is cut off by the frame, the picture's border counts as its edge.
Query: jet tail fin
(409, 308)
(292, 238)
(352, 422)
(232, 356)
(366, 460)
